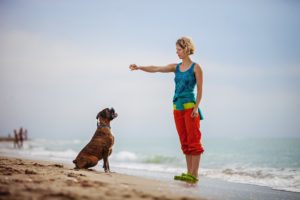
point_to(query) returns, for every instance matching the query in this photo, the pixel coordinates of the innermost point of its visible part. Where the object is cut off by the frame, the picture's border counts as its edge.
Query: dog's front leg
(105, 164)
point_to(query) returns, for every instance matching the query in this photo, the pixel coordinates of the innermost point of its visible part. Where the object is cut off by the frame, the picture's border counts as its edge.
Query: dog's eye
(103, 114)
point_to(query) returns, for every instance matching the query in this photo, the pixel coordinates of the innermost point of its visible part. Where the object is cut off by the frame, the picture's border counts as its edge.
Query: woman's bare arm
(199, 82)
(153, 69)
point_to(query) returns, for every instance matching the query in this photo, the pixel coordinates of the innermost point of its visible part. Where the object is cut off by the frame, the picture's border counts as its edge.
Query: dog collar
(103, 126)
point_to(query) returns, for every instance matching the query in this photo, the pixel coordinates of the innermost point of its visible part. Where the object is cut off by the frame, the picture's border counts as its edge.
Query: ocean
(271, 162)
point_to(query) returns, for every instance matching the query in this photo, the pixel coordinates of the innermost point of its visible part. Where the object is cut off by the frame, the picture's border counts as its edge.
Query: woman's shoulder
(174, 66)
(197, 64)
(167, 68)
(197, 67)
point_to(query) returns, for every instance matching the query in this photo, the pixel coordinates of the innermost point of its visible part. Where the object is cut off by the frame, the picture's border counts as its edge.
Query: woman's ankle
(195, 174)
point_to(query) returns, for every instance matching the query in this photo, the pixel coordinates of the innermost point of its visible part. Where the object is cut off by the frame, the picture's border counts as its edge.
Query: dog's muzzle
(113, 114)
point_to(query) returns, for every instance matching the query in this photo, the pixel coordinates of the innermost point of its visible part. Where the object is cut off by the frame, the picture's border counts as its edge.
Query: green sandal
(190, 175)
(187, 178)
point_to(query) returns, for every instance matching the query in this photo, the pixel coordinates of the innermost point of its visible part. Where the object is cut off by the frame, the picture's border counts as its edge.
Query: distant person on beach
(21, 137)
(16, 139)
(187, 115)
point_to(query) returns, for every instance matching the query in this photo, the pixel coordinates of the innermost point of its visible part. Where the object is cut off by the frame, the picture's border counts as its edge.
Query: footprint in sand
(38, 165)
(4, 191)
(140, 194)
(109, 193)
(27, 171)
(71, 182)
(8, 171)
(57, 165)
(25, 180)
(38, 181)
(86, 183)
(21, 163)
(161, 198)
(71, 174)
(126, 195)
(60, 196)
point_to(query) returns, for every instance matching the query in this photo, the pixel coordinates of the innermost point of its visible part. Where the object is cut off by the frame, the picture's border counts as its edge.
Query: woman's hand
(195, 112)
(133, 67)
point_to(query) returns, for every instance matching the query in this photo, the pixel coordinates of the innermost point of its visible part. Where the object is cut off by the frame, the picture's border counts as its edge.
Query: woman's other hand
(133, 67)
(195, 112)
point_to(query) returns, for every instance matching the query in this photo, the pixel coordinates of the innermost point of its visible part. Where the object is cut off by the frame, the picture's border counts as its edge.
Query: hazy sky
(61, 62)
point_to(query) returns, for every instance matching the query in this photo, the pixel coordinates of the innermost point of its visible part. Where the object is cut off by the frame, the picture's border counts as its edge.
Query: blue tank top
(185, 83)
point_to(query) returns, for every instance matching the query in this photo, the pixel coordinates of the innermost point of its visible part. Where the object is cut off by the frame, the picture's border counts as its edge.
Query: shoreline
(35, 179)
(165, 165)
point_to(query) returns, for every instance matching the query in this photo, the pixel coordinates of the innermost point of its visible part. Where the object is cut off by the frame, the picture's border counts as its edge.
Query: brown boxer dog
(100, 146)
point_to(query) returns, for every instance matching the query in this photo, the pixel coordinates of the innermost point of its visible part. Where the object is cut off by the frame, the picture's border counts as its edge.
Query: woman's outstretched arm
(153, 69)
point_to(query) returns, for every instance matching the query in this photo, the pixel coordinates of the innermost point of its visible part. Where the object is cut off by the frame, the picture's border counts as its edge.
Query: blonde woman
(186, 113)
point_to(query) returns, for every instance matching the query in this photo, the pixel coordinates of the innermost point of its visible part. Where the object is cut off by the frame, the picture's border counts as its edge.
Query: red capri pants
(188, 129)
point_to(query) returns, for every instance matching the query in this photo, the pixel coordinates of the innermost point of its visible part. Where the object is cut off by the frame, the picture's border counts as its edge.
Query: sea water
(272, 162)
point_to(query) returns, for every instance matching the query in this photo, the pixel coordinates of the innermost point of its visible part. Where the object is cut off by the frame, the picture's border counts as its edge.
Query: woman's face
(180, 52)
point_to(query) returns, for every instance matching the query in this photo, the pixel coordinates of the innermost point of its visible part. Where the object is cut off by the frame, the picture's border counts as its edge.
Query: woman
(186, 113)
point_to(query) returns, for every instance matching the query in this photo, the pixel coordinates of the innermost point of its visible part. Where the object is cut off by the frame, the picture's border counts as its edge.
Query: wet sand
(29, 179)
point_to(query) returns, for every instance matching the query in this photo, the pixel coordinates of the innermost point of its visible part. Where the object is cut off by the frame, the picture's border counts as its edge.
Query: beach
(43, 169)
(32, 179)
(39, 179)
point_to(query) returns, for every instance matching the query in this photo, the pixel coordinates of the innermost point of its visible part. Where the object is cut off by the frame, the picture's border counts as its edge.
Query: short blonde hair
(186, 44)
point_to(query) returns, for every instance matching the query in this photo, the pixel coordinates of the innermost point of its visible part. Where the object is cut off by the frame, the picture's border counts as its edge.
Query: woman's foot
(186, 177)
(190, 175)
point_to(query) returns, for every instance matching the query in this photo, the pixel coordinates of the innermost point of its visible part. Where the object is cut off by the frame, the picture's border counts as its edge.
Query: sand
(35, 179)
(29, 179)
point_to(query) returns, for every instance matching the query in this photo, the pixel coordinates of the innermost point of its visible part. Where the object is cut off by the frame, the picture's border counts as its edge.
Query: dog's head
(108, 114)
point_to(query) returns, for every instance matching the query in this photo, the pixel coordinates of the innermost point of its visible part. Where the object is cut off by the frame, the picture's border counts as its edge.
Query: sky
(61, 62)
